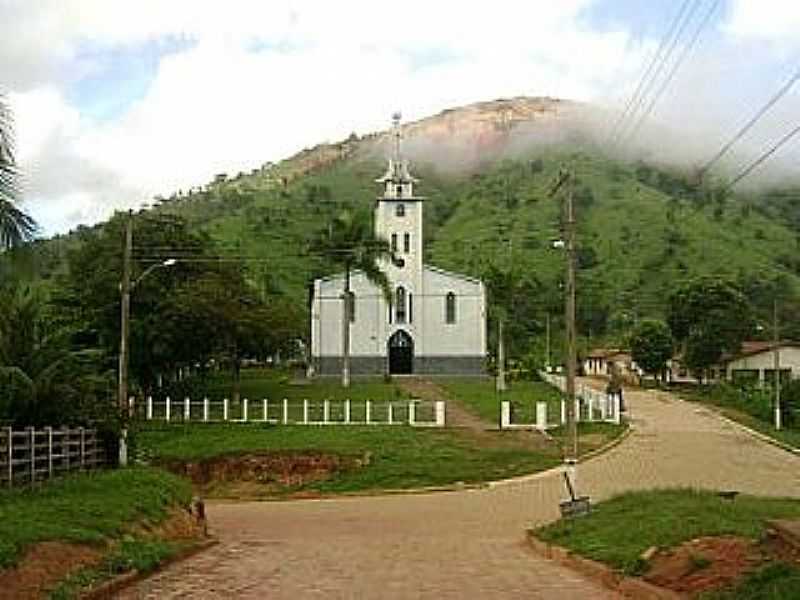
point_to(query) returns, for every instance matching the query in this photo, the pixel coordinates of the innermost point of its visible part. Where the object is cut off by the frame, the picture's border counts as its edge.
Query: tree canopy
(651, 346)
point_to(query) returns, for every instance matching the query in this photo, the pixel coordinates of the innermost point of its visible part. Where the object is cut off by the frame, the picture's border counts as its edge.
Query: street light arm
(167, 263)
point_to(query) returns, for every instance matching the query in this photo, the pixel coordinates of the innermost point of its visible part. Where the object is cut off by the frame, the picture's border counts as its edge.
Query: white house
(755, 362)
(436, 320)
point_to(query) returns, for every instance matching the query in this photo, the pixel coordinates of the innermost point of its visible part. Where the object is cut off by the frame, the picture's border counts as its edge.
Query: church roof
(451, 274)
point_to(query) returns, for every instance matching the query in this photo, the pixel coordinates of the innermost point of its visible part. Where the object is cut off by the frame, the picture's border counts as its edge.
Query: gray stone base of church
(423, 365)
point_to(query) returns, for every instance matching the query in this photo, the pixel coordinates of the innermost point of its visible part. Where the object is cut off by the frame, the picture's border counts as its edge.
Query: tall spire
(397, 136)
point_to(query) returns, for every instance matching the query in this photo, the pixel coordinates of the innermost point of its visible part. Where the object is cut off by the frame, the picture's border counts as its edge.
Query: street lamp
(125, 290)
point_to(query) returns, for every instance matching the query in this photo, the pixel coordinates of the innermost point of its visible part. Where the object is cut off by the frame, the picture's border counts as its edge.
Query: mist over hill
(643, 222)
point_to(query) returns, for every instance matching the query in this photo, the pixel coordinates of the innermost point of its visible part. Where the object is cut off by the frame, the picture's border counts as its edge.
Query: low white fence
(416, 413)
(590, 406)
(31, 455)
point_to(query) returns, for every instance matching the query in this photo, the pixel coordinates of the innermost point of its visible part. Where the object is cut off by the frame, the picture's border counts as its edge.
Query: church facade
(435, 322)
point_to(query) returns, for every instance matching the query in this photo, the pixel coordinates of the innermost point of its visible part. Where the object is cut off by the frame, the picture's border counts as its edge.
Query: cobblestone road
(466, 544)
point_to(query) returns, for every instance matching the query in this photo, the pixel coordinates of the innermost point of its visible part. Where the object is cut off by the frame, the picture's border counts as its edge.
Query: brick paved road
(463, 544)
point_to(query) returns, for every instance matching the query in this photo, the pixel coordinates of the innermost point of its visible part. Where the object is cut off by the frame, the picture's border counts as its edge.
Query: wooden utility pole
(776, 351)
(571, 452)
(125, 291)
(346, 315)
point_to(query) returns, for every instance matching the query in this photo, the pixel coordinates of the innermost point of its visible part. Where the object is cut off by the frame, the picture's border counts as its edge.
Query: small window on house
(400, 210)
(351, 306)
(394, 242)
(400, 305)
(406, 243)
(450, 308)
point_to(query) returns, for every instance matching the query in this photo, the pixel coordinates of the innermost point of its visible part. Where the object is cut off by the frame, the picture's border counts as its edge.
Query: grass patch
(778, 581)
(480, 397)
(619, 530)
(86, 508)
(400, 457)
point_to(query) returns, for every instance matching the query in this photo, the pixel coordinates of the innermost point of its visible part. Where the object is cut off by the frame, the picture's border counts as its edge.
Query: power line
(646, 74)
(764, 156)
(671, 75)
(683, 23)
(749, 125)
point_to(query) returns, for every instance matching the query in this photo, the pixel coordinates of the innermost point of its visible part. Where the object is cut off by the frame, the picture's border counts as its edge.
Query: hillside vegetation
(641, 228)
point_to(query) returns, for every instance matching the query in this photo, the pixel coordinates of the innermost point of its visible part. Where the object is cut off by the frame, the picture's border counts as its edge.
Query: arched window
(394, 242)
(450, 308)
(351, 306)
(400, 210)
(406, 243)
(400, 305)
(410, 307)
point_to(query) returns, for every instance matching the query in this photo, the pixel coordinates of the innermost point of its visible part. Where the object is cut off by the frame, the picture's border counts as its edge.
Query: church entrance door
(401, 353)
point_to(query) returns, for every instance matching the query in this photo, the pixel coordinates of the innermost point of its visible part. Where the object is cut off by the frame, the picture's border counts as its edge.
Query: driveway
(467, 544)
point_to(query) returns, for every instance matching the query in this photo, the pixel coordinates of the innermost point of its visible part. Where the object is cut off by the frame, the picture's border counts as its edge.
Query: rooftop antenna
(396, 125)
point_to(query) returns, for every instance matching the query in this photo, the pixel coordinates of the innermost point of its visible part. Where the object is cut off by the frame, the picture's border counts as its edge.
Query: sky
(117, 101)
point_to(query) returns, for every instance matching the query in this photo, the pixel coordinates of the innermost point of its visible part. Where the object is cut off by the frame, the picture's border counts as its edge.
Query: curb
(109, 589)
(631, 587)
(558, 469)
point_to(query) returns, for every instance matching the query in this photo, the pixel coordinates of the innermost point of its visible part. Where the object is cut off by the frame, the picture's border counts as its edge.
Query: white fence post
(49, 431)
(10, 456)
(347, 411)
(604, 407)
(577, 409)
(224, 409)
(617, 407)
(149, 408)
(32, 456)
(590, 404)
(440, 413)
(541, 416)
(563, 411)
(285, 411)
(326, 411)
(166, 414)
(205, 410)
(244, 410)
(391, 414)
(305, 411)
(505, 414)
(187, 409)
(412, 412)
(265, 403)
(368, 411)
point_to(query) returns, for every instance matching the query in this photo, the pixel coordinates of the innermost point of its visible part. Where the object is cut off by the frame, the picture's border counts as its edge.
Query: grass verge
(619, 530)
(90, 508)
(400, 457)
(777, 581)
(480, 397)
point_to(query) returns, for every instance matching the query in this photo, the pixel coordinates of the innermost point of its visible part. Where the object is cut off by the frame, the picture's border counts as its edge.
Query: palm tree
(350, 242)
(15, 226)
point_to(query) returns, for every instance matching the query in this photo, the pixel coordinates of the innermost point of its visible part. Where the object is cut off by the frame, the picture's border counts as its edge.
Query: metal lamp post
(125, 289)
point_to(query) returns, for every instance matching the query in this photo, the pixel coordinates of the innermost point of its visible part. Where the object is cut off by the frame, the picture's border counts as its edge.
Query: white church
(436, 321)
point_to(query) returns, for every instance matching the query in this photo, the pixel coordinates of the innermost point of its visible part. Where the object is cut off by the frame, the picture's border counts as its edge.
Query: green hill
(485, 171)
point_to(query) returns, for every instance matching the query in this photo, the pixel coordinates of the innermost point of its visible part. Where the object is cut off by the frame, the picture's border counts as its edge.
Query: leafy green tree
(349, 242)
(651, 346)
(708, 316)
(15, 226)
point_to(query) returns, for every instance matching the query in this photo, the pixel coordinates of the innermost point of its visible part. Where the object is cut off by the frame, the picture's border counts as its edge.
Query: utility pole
(571, 453)
(125, 290)
(346, 310)
(776, 351)
(547, 342)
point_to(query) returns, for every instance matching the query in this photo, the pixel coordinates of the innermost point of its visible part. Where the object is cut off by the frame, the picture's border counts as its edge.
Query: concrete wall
(789, 360)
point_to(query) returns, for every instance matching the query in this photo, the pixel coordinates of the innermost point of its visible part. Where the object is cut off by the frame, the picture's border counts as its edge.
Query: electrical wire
(763, 157)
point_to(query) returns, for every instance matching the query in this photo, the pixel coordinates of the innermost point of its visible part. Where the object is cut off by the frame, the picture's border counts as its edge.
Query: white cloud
(771, 20)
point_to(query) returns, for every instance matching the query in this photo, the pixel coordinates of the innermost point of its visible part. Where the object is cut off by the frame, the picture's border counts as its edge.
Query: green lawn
(480, 397)
(276, 385)
(93, 508)
(777, 581)
(619, 530)
(400, 456)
